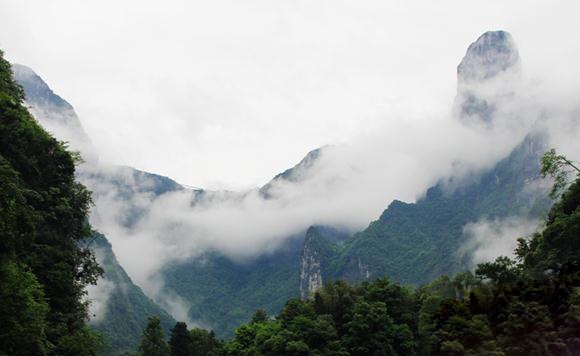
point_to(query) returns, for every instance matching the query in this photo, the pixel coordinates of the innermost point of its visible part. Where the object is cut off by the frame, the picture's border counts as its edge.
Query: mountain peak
(54, 113)
(36, 90)
(488, 75)
(492, 53)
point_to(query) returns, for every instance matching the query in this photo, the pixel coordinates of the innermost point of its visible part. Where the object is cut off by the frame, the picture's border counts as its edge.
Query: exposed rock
(488, 73)
(310, 271)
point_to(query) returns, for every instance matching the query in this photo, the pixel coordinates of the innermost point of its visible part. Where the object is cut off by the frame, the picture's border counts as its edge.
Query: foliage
(527, 306)
(127, 308)
(152, 341)
(412, 243)
(559, 168)
(43, 225)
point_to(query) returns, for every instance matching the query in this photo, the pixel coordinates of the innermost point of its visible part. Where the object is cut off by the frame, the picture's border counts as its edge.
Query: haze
(226, 94)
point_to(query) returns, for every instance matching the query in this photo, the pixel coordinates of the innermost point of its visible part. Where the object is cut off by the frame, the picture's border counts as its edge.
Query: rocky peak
(493, 53)
(488, 74)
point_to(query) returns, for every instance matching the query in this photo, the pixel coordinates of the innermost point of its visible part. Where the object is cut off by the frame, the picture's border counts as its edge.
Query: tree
(22, 311)
(370, 332)
(559, 168)
(204, 343)
(500, 272)
(152, 341)
(180, 341)
(259, 316)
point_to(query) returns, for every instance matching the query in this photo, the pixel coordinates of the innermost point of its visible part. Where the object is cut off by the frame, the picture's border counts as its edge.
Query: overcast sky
(225, 94)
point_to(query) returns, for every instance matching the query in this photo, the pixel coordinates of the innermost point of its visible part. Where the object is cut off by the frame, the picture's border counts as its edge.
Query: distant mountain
(411, 242)
(417, 242)
(414, 243)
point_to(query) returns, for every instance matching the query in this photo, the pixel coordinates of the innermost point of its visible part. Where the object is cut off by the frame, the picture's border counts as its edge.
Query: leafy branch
(559, 168)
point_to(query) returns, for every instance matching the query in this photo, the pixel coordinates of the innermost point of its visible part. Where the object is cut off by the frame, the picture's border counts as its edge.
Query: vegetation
(127, 306)
(412, 243)
(529, 305)
(45, 262)
(152, 340)
(198, 342)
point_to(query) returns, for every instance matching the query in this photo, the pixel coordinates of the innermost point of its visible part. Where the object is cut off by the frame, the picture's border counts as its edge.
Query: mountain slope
(412, 243)
(44, 263)
(125, 307)
(415, 243)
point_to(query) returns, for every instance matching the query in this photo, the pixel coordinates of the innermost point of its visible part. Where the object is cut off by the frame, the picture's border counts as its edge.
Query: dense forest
(528, 305)
(45, 261)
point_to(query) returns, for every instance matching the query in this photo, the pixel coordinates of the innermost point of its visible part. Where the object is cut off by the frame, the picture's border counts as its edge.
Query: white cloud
(488, 239)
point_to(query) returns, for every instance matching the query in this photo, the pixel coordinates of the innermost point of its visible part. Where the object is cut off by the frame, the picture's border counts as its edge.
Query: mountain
(487, 76)
(54, 113)
(413, 243)
(123, 305)
(410, 242)
(45, 264)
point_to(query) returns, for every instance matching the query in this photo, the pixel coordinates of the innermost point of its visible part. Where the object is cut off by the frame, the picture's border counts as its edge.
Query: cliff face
(310, 272)
(492, 54)
(320, 247)
(487, 76)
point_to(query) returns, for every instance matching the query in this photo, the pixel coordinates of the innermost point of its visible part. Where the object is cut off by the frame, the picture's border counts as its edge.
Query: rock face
(487, 76)
(321, 245)
(310, 271)
(493, 53)
(54, 113)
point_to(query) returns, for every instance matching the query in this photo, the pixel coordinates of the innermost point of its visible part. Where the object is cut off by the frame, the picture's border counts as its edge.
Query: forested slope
(526, 306)
(45, 263)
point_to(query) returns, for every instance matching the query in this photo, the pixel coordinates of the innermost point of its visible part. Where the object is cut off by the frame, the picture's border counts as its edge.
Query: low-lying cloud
(489, 239)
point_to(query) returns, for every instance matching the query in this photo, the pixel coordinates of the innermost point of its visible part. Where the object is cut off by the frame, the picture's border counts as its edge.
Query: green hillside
(127, 309)
(415, 243)
(45, 262)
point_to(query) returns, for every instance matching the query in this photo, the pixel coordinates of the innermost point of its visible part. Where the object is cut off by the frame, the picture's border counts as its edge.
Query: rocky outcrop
(488, 73)
(319, 249)
(492, 54)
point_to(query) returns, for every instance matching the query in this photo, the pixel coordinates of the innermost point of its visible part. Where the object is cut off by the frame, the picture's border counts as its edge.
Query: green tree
(370, 332)
(259, 316)
(559, 168)
(180, 340)
(152, 341)
(205, 343)
(23, 311)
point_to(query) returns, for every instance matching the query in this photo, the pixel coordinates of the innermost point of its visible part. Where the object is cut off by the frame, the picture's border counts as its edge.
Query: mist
(224, 95)
(223, 111)
(347, 186)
